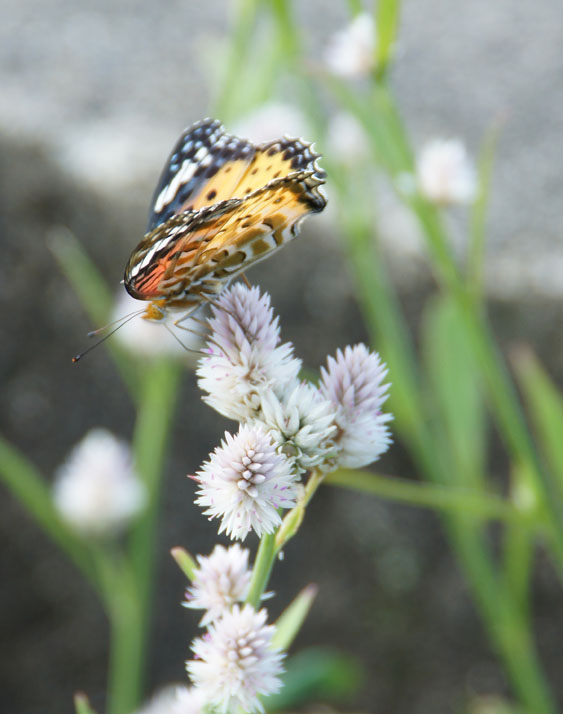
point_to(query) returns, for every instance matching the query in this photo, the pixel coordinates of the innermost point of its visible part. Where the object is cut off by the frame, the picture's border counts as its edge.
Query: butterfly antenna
(121, 321)
(123, 318)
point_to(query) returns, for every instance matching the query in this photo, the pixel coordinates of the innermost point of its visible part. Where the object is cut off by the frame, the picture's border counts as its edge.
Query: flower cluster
(287, 426)
(445, 174)
(97, 490)
(351, 52)
(219, 581)
(234, 662)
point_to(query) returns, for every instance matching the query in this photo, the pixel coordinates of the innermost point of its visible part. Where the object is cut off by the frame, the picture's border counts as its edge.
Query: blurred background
(93, 98)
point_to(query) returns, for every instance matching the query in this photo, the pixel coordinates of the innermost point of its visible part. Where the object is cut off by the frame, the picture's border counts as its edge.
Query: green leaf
(545, 403)
(290, 621)
(185, 562)
(456, 389)
(94, 295)
(317, 674)
(387, 22)
(82, 705)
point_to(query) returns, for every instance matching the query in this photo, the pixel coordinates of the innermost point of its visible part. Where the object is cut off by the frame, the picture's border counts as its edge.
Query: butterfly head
(154, 313)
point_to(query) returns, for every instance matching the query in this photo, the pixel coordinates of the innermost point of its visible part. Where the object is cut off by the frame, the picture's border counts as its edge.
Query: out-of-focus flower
(351, 51)
(353, 382)
(245, 482)
(151, 339)
(175, 700)
(219, 581)
(301, 423)
(347, 140)
(445, 173)
(97, 490)
(244, 358)
(235, 663)
(272, 120)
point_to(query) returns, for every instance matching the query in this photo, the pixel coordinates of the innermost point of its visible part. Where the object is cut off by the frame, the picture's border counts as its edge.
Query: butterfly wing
(204, 168)
(200, 236)
(155, 258)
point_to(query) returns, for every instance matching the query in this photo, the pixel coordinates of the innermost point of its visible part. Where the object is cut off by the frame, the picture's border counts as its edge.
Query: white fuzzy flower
(244, 358)
(97, 489)
(351, 51)
(445, 173)
(235, 663)
(219, 581)
(270, 121)
(176, 700)
(245, 482)
(152, 339)
(353, 382)
(301, 423)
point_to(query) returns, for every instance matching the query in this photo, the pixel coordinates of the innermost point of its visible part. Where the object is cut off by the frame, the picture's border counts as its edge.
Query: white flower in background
(301, 422)
(245, 482)
(235, 663)
(97, 490)
(271, 121)
(219, 581)
(445, 174)
(151, 339)
(353, 382)
(176, 700)
(351, 51)
(347, 140)
(244, 358)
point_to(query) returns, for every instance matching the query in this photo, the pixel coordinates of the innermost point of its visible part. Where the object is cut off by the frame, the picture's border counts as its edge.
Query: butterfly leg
(246, 280)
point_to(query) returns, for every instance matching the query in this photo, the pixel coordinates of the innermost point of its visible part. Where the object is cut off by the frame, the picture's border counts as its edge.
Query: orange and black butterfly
(221, 205)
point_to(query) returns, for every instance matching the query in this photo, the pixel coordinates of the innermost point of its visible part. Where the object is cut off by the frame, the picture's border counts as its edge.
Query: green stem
(131, 615)
(128, 627)
(262, 569)
(242, 35)
(443, 498)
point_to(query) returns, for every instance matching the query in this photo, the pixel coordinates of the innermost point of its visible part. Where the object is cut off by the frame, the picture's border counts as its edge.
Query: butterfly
(222, 204)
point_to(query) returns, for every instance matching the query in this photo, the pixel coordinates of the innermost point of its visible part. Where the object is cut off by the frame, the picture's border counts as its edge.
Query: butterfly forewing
(204, 168)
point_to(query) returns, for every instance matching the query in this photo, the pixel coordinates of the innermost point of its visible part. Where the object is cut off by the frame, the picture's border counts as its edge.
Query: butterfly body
(221, 205)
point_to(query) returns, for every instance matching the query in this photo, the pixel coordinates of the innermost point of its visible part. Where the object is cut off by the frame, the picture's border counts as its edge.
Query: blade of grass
(476, 250)
(30, 489)
(456, 390)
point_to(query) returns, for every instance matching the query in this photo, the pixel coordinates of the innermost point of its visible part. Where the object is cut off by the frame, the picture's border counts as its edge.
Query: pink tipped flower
(220, 581)
(353, 382)
(244, 357)
(175, 700)
(97, 490)
(445, 173)
(235, 663)
(301, 422)
(245, 482)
